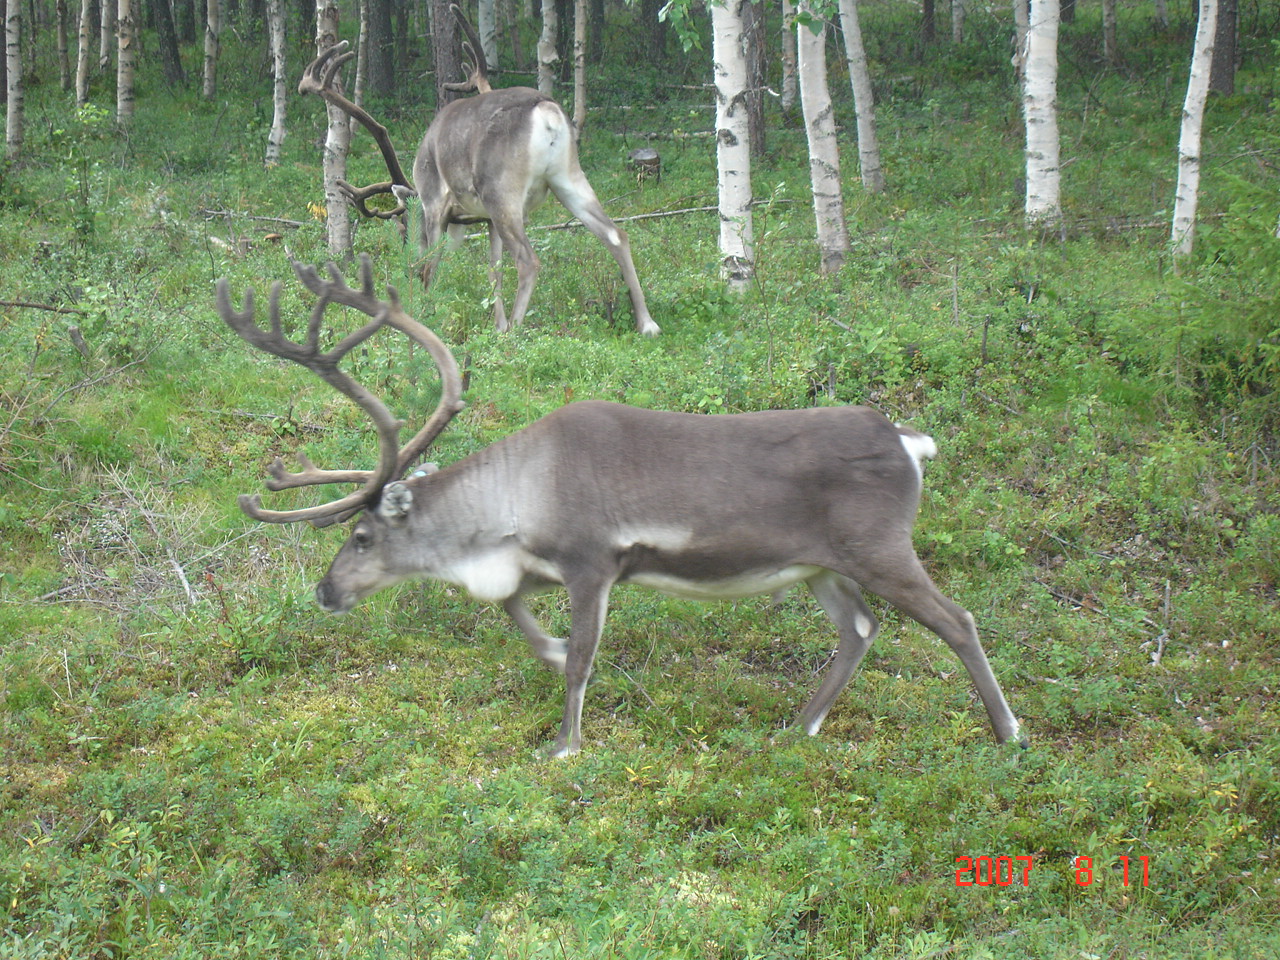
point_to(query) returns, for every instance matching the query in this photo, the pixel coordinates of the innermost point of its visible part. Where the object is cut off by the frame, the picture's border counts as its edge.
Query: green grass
(199, 763)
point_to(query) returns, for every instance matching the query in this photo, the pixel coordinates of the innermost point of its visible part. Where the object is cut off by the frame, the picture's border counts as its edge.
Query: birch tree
(579, 67)
(1040, 113)
(279, 80)
(488, 28)
(336, 142)
(958, 13)
(547, 56)
(13, 79)
(212, 29)
(85, 40)
(733, 143)
(64, 62)
(126, 58)
(1188, 192)
(820, 128)
(863, 100)
(790, 82)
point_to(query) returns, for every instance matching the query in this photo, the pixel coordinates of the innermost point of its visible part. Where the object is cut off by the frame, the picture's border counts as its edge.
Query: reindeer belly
(747, 584)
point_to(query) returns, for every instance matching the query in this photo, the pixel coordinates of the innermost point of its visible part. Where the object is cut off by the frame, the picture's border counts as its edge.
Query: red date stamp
(1008, 871)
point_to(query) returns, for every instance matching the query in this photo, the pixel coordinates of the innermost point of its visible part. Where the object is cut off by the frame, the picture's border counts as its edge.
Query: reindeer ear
(397, 501)
(403, 193)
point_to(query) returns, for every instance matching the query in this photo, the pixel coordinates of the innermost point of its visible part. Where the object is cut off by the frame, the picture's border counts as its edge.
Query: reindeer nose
(328, 599)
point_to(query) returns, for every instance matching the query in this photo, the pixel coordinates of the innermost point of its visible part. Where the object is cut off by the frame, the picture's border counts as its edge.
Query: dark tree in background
(445, 52)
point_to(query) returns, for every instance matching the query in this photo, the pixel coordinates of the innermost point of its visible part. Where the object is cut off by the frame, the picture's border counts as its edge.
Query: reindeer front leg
(589, 603)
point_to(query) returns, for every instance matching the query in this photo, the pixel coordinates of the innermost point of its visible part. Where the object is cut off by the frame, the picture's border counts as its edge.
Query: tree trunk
(863, 101)
(382, 50)
(1109, 52)
(547, 55)
(445, 51)
(279, 81)
(361, 82)
(1040, 111)
(928, 21)
(733, 143)
(4, 60)
(167, 41)
(13, 79)
(212, 29)
(487, 27)
(754, 39)
(107, 41)
(336, 143)
(1021, 17)
(82, 52)
(790, 84)
(957, 20)
(1188, 192)
(579, 67)
(64, 59)
(824, 153)
(1223, 77)
(126, 57)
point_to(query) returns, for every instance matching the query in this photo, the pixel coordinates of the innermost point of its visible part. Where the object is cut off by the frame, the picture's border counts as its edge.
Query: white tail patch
(919, 445)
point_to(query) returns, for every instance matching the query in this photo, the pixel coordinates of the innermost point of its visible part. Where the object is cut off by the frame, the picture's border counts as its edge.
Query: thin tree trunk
(212, 30)
(64, 59)
(445, 51)
(1040, 110)
(488, 30)
(82, 52)
(126, 57)
(361, 82)
(1188, 192)
(733, 143)
(1109, 52)
(107, 40)
(1225, 46)
(958, 12)
(337, 140)
(579, 67)
(863, 100)
(279, 81)
(14, 116)
(824, 153)
(790, 83)
(1021, 17)
(547, 55)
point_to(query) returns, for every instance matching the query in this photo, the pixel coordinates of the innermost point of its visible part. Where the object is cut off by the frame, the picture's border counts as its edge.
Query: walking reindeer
(597, 494)
(489, 158)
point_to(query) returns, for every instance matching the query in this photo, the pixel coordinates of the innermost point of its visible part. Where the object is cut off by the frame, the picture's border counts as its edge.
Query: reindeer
(596, 494)
(490, 158)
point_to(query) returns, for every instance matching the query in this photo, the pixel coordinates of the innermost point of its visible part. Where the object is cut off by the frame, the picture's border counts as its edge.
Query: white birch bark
(336, 143)
(361, 80)
(1040, 112)
(1188, 192)
(579, 67)
(733, 143)
(1021, 18)
(824, 153)
(82, 52)
(14, 117)
(279, 81)
(212, 30)
(863, 100)
(126, 58)
(547, 55)
(106, 33)
(790, 83)
(488, 28)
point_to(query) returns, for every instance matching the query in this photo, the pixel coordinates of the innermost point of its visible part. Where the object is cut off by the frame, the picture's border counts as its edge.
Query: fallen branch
(710, 208)
(231, 214)
(42, 306)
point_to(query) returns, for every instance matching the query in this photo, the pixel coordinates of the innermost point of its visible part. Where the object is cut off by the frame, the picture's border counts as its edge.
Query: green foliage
(200, 763)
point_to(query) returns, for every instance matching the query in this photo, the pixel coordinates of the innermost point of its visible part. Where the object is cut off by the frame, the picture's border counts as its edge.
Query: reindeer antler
(473, 50)
(393, 460)
(320, 78)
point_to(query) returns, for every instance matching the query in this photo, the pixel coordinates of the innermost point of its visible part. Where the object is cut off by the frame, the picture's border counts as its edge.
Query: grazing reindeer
(594, 494)
(493, 157)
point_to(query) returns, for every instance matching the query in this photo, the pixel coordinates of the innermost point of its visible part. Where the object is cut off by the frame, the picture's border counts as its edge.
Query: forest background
(199, 763)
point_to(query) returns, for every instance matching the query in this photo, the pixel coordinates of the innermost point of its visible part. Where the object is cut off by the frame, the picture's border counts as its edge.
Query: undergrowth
(200, 763)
